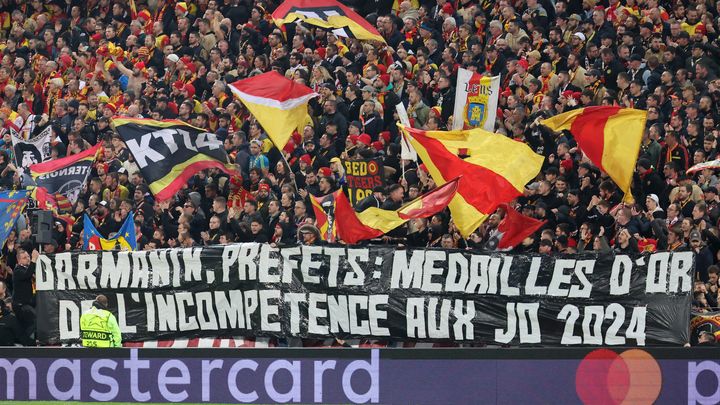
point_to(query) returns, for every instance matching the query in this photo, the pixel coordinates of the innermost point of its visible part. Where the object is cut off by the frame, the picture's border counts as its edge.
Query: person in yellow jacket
(98, 326)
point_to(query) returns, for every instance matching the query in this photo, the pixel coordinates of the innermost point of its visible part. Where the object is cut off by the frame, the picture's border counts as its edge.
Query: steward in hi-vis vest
(98, 326)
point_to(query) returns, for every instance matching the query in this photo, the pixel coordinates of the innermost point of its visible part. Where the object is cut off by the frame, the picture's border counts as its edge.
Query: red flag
(350, 228)
(353, 227)
(515, 227)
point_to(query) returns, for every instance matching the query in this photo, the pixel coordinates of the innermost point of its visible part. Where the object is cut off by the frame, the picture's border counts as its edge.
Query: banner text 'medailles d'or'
(371, 292)
(435, 271)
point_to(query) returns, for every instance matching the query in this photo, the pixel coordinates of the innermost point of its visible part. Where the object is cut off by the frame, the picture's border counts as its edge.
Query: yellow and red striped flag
(494, 169)
(278, 103)
(133, 10)
(609, 136)
(324, 219)
(353, 227)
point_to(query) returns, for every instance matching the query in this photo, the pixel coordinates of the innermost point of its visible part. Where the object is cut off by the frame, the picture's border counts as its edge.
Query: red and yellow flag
(133, 10)
(609, 136)
(278, 103)
(324, 219)
(353, 227)
(494, 169)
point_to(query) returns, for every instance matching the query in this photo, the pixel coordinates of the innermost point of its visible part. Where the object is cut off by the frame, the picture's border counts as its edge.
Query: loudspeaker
(41, 226)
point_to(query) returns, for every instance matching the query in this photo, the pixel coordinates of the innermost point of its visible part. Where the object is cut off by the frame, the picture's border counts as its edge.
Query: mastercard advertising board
(364, 375)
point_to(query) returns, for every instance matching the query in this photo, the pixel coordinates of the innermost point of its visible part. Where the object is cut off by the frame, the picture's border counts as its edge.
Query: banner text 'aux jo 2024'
(372, 292)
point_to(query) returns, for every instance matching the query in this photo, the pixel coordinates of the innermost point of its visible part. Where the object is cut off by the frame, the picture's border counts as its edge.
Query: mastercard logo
(606, 377)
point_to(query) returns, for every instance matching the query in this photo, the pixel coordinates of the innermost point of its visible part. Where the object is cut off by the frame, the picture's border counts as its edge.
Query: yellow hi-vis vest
(98, 328)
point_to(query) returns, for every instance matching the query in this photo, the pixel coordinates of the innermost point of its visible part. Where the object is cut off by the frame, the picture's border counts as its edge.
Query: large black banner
(67, 175)
(372, 292)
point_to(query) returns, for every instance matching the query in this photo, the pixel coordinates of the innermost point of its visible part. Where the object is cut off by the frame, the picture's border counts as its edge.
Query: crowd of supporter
(74, 65)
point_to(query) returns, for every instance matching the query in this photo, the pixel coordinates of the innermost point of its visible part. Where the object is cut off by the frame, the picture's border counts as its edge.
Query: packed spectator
(74, 65)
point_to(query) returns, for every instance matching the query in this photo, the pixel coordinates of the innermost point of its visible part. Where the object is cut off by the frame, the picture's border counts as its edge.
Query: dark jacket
(11, 332)
(22, 285)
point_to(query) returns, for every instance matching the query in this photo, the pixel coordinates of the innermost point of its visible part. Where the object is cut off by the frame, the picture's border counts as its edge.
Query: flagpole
(288, 167)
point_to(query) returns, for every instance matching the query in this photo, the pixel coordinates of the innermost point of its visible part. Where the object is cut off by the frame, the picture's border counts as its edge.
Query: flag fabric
(324, 209)
(353, 227)
(713, 164)
(278, 103)
(58, 204)
(55, 202)
(494, 169)
(328, 14)
(514, 228)
(406, 150)
(65, 176)
(33, 151)
(609, 136)
(125, 239)
(133, 10)
(476, 100)
(237, 198)
(170, 152)
(12, 204)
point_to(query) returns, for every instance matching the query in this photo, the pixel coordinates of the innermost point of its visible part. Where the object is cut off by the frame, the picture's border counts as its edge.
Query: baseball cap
(172, 58)
(695, 236)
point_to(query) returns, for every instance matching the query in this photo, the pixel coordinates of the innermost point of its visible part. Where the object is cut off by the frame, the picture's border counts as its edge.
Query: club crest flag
(33, 151)
(476, 100)
(329, 14)
(170, 152)
(278, 103)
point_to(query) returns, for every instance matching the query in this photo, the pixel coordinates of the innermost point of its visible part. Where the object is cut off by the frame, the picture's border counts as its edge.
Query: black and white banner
(32, 151)
(372, 292)
(67, 175)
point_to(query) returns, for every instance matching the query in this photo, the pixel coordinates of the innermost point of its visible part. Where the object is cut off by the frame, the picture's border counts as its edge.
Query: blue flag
(11, 206)
(126, 234)
(125, 237)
